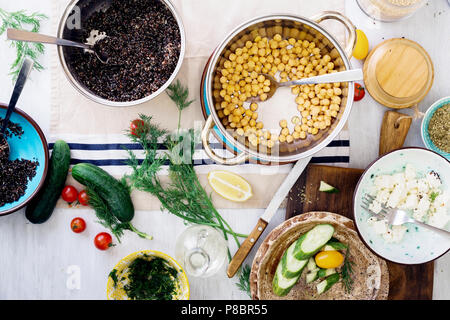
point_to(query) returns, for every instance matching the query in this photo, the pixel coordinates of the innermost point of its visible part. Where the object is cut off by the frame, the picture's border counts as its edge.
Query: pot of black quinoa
(144, 40)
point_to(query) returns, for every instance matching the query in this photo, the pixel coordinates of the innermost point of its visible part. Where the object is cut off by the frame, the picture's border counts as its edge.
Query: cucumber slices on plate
(300, 256)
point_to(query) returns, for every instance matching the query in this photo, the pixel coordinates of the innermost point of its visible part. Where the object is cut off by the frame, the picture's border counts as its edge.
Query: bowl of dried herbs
(436, 128)
(148, 275)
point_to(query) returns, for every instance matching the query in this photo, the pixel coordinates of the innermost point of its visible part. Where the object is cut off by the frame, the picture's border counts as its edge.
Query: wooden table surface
(40, 262)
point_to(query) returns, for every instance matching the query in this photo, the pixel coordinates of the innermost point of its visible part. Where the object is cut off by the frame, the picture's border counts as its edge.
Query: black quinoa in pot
(143, 44)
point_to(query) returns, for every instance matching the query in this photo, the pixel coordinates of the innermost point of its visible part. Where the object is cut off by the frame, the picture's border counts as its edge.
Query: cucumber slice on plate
(281, 285)
(335, 246)
(326, 284)
(312, 276)
(325, 187)
(322, 273)
(311, 242)
(292, 267)
(312, 266)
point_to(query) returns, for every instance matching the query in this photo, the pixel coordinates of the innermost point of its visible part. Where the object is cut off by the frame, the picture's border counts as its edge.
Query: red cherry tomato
(360, 92)
(78, 225)
(103, 241)
(69, 194)
(136, 126)
(83, 198)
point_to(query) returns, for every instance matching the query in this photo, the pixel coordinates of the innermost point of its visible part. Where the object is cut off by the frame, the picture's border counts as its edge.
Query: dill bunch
(24, 21)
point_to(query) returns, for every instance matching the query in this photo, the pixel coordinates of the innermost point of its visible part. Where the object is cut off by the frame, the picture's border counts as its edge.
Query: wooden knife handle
(245, 248)
(394, 131)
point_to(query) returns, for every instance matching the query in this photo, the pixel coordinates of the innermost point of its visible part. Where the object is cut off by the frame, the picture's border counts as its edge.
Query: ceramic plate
(371, 276)
(32, 145)
(117, 293)
(426, 122)
(418, 245)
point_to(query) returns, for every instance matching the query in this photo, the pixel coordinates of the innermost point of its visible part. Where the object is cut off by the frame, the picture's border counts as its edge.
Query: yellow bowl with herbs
(119, 278)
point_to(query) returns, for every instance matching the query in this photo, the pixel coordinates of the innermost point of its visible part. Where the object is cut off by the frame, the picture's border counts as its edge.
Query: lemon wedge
(230, 186)
(362, 46)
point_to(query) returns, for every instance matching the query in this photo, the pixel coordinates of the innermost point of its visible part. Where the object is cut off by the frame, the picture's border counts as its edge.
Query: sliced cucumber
(333, 245)
(326, 284)
(312, 276)
(322, 273)
(312, 266)
(281, 285)
(312, 241)
(292, 267)
(325, 187)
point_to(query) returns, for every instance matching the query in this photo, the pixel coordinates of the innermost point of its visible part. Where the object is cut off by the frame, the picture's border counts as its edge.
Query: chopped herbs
(151, 278)
(22, 20)
(439, 128)
(143, 44)
(114, 277)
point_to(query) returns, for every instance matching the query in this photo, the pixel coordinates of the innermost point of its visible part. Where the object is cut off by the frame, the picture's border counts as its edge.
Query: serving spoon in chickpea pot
(336, 77)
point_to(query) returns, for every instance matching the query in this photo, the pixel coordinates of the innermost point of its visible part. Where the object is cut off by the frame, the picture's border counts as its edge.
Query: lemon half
(230, 186)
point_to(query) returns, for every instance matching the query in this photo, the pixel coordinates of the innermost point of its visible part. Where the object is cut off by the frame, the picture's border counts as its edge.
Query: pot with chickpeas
(296, 122)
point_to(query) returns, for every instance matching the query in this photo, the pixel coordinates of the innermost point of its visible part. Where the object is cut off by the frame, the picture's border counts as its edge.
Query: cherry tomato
(329, 259)
(103, 241)
(69, 194)
(83, 198)
(78, 225)
(360, 92)
(136, 126)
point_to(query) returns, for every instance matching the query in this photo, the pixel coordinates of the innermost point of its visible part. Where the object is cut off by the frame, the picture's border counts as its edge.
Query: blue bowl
(426, 122)
(32, 145)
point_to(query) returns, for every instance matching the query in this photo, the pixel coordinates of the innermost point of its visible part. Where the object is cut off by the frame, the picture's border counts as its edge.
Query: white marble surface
(35, 259)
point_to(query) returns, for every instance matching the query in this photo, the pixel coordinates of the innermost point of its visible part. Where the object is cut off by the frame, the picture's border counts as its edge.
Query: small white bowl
(418, 245)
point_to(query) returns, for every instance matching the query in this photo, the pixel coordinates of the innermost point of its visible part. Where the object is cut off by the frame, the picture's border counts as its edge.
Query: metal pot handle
(206, 132)
(333, 15)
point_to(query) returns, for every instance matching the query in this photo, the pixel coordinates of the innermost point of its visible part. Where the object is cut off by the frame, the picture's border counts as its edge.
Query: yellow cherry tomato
(329, 259)
(362, 45)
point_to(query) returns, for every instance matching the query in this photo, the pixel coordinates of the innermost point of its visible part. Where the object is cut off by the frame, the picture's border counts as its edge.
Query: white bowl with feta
(418, 181)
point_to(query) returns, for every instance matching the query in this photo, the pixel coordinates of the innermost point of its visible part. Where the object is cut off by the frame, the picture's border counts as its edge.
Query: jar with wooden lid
(390, 10)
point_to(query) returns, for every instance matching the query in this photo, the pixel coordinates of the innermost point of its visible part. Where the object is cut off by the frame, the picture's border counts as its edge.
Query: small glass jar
(390, 10)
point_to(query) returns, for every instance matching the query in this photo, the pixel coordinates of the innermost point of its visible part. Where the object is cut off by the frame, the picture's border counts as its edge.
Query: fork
(398, 217)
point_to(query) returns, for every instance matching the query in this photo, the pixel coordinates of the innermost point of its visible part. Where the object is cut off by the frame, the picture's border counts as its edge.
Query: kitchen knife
(274, 204)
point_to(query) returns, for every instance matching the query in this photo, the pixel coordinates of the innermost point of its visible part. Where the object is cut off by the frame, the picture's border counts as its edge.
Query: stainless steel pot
(288, 26)
(84, 9)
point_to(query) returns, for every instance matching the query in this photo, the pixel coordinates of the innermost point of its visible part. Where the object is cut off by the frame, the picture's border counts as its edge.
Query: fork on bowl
(397, 217)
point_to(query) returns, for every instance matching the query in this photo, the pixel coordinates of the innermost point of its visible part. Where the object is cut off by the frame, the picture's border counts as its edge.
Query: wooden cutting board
(406, 282)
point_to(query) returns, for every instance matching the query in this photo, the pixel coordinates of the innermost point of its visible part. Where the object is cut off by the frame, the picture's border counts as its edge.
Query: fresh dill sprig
(244, 280)
(24, 21)
(107, 219)
(179, 95)
(347, 271)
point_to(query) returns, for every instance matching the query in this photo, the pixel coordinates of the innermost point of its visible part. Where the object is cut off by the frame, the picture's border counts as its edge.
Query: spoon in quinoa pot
(22, 35)
(27, 66)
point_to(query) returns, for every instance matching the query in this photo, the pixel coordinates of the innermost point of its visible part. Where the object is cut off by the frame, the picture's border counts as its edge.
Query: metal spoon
(344, 76)
(22, 35)
(27, 66)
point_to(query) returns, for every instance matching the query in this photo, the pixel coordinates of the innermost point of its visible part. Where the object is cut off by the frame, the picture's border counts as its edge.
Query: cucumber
(41, 207)
(335, 246)
(322, 273)
(325, 187)
(312, 276)
(312, 266)
(112, 191)
(312, 241)
(281, 285)
(326, 284)
(292, 267)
